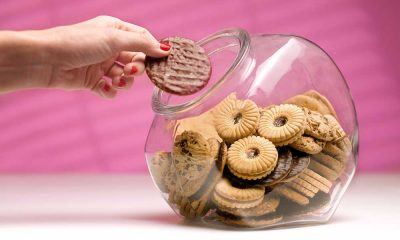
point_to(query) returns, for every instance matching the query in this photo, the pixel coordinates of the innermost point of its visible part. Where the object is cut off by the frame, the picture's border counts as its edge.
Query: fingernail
(165, 46)
(134, 70)
(106, 87)
(122, 82)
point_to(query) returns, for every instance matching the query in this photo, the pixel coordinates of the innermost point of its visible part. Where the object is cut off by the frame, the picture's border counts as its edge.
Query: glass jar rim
(243, 39)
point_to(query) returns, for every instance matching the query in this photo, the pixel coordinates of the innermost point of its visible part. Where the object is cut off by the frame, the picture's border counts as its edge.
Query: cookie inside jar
(271, 140)
(273, 164)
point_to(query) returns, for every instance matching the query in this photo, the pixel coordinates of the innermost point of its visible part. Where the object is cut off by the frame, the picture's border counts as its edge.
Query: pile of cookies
(252, 166)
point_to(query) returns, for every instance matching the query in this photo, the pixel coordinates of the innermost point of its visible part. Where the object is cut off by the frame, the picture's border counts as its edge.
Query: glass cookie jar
(272, 140)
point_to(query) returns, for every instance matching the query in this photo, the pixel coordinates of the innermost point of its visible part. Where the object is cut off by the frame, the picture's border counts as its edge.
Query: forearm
(24, 61)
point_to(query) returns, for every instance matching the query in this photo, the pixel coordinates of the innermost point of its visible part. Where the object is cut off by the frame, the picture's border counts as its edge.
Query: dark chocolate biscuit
(281, 170)
(186, 70)
(300, 161)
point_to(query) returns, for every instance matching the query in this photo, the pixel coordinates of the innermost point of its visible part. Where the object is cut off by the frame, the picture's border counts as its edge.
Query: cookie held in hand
(186, 70)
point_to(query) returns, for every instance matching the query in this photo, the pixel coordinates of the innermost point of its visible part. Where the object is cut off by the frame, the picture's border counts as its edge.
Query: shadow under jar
(272, 140)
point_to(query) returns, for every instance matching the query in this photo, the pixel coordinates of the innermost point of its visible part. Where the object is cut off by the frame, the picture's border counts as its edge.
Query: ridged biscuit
(291, 195)
(252, 157)
(282, 124)
(333, 163)
(306, 185)
(251, 222)
(235, 119)
(323, 170)
(268, 205)
(316, 180)
(226, 195)
(306, 192)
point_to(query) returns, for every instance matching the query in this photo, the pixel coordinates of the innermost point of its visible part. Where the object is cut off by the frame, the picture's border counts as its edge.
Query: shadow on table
(162, 218)
(155, 218)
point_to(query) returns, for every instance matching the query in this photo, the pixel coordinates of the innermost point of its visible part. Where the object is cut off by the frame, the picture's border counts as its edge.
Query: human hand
(102, 55)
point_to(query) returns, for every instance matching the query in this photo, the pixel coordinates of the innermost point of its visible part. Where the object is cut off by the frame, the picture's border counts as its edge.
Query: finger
(127, 57)
(134, 69)
(137, 42)
(123, 82)
(104, 89)
(115, 70)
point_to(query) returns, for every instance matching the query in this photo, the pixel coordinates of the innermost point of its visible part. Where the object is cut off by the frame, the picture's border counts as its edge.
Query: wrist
(24, 62)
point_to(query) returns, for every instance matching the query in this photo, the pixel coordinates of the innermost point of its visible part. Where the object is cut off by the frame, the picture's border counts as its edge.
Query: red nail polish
(122, 82)
(106, 87)
(134, 70)
(165, 46)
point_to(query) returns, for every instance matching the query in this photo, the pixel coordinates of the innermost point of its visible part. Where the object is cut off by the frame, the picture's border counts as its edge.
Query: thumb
(141, 41)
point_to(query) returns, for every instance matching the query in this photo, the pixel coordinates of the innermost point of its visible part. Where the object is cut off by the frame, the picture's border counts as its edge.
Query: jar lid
(227, 49)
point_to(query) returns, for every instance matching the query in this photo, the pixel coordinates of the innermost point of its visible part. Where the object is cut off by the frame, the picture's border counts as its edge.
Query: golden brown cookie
(235, 119)
(216, 171)
(346, 145)
(189, 208)
(291, 195)
(332, 149)
(282, 124)
(337, 130)
(316, 180)
(225, 195)
(299, 188)
(318, 126)
(306, 185)
(308, 145)
(323, 170)
(252, 157)
(202, 124)
(171, 179)
(268, 205)
(281, 170)
(252, 222)
(308, 102)
(159, 166)
(193, 159)
(333, 163)
(323, 100)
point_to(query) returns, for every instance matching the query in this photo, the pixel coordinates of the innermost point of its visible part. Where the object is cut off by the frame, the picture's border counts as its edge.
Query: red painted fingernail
(165, 46)
(134, 70)
(122, 82)
(106, 87)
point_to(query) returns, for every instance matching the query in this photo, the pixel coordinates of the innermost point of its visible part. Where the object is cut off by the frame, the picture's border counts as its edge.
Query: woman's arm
(102, 55)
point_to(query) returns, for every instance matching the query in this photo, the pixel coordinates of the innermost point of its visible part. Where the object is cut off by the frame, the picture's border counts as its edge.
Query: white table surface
(129, 207)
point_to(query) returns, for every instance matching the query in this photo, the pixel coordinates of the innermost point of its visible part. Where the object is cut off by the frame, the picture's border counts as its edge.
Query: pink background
(56, 131)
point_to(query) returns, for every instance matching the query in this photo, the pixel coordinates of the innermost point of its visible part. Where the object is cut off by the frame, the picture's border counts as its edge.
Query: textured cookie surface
(252, 157)
(308, 145)
(226, 195)
(292, 195)
(235, 118)
(159, 167)
(282, 124)
(184, 71)
(193, 158)
(268, 205)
